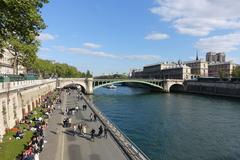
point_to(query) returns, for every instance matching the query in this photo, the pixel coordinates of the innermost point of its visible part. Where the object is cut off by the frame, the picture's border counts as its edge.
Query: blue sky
(118, 35)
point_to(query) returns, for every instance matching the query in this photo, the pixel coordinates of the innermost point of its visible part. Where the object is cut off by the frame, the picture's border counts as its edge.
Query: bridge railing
(131, 79)
(6, 86)
(131, 150)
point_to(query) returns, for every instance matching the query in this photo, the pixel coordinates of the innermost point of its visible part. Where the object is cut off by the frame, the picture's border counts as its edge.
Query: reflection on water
(175, 126)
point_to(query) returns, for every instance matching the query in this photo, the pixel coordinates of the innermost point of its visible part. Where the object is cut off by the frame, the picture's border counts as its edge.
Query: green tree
(88, 74)
(46, 69)
(222, 74)
(236, 72)
(20, 24)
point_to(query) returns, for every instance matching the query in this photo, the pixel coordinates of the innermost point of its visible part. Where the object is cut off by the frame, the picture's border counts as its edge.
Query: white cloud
(89, 52)
(199, 17)
(59, 48)
(220, 43)
(234, 59)
(156, 36)
(91, 45)
(46, 37)
(42, 49)
(85, 51)
(143, 57)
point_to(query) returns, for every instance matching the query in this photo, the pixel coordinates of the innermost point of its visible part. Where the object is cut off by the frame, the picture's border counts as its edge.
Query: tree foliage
(113, 76)
(20, 24)
(46, 69)
(222, 74)
(236, 72)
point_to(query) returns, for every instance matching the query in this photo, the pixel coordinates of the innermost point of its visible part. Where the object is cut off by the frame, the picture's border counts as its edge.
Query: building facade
(199, 68)
(17, 99)
(177, 72)
(221, 69)
(163, 71)
(6, 64)
(214, 66)
(213, 57)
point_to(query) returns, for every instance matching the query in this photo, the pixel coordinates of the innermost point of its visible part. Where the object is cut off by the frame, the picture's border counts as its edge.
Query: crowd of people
(81, 128)
(37, 126)
(36, 145)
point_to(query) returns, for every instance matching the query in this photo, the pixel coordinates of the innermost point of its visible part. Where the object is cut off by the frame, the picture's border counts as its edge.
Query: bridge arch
(76, 86)
(176, 88)
(99, 84)
(85, 84)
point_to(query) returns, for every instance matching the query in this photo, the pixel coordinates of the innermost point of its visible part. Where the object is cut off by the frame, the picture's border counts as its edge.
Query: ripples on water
(175, 126)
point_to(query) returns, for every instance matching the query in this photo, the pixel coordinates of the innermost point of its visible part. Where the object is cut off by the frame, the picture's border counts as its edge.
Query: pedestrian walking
(73, 112)
(105, 131)
(84, 129)
(76, 108)
(84, 107)
(95, 117)
(91, 116)
(66, 110)
(92, 134)
(69, 122)
(100, 131)
(80, 128)
(65, 122)
(40, 143)
(74, 129)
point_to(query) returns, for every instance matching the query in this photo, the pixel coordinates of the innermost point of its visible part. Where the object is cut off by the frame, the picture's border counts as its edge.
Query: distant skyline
(116, 36)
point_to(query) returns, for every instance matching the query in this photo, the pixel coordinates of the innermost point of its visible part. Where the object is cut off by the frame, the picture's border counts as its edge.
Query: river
(175, 126)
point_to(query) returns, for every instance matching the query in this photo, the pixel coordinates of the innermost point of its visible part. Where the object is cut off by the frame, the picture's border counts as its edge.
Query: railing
(131, 150)
(130, 79)
(6, 86)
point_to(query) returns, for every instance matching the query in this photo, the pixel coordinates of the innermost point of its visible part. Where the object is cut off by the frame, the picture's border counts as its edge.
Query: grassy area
(11, 148)
(37, 112)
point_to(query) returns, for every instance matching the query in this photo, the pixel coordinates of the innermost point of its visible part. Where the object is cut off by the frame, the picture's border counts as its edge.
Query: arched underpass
(75, 86)
(132, 83)
(176, 88)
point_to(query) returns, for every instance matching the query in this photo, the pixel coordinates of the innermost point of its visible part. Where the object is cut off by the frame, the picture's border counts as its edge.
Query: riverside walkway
(62, 145)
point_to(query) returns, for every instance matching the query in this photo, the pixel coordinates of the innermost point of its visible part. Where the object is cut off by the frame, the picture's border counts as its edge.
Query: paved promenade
(62, 145)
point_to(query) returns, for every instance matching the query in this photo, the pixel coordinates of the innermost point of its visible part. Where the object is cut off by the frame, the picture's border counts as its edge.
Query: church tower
(197, 56)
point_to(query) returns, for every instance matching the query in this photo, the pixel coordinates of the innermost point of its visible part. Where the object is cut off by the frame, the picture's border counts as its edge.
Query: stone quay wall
(19, 98)
(227, 89)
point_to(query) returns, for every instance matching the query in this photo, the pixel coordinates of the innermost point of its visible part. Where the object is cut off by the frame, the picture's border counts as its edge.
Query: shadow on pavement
(94, 157)
(71, 133)
(54, 132)
(87, 120)
(74, 152)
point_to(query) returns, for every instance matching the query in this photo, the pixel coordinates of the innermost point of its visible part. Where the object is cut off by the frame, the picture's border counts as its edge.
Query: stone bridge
(86, 84)
(90, 84)
(19, 98)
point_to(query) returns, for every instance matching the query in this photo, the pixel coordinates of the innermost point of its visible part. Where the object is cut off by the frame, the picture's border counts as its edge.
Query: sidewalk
(53, 134)
(62, 145)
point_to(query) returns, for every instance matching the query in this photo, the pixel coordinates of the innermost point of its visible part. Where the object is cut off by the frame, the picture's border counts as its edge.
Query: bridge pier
(85, 83)
(89, 85)
(167, 84)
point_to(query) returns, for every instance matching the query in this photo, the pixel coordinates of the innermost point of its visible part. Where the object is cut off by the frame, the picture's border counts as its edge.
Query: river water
(175, 126)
